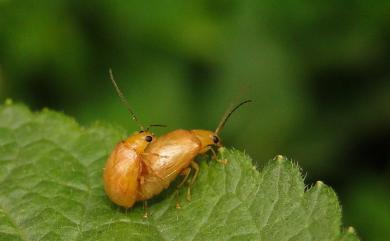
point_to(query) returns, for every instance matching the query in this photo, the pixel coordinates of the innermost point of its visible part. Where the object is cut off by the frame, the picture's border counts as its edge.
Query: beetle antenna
(157, 125)
(124, 100)
(227, 115)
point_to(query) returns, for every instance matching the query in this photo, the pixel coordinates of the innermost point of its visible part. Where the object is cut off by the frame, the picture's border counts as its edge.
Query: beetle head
(208, 139)
(140, 140)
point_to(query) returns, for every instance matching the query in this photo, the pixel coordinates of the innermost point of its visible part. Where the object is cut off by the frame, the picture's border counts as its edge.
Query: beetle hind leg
(186, 173)
(146, 212)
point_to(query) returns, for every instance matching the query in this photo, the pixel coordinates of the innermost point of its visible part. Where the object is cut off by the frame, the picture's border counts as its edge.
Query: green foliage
(51, 189)
(373, 195)
(315, 69)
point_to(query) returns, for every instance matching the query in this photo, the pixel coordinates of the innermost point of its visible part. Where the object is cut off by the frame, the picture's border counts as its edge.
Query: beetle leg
(214, 154)
(186, 172)
(195, 166)
(214, 157)
(205, 149)
(146, 213)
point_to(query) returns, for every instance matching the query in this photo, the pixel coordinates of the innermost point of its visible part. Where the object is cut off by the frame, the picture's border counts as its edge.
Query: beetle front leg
(214, 157)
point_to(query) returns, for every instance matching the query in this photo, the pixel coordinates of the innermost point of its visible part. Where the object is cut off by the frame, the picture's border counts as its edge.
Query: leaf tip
(351, 230)
(319, 184)
(280, 159)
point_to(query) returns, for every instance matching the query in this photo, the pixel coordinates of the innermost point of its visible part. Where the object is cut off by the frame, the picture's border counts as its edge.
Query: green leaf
(51, 189)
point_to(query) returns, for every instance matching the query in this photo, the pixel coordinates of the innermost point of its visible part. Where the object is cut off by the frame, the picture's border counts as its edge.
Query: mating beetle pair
(143, 165)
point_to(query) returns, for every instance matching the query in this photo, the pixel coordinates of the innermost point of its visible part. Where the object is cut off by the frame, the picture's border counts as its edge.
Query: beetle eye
(148, 138)
(215, 139)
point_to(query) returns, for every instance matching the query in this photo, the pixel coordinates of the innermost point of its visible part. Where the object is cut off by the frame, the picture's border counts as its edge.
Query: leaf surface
(51, 189)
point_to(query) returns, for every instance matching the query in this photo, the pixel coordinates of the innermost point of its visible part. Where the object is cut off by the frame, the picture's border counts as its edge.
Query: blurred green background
(319, 73)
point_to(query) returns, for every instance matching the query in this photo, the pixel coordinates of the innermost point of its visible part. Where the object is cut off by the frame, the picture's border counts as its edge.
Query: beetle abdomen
(165, 159)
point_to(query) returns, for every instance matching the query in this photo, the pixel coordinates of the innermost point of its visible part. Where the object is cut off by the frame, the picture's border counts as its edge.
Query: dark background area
(318, 73)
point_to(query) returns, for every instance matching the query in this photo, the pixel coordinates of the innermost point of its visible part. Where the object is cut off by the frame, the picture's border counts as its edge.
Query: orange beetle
(123, 168)
(173, 154)
(141, 166)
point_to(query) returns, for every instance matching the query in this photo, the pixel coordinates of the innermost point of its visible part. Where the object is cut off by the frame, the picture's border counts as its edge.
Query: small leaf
(51, 189)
